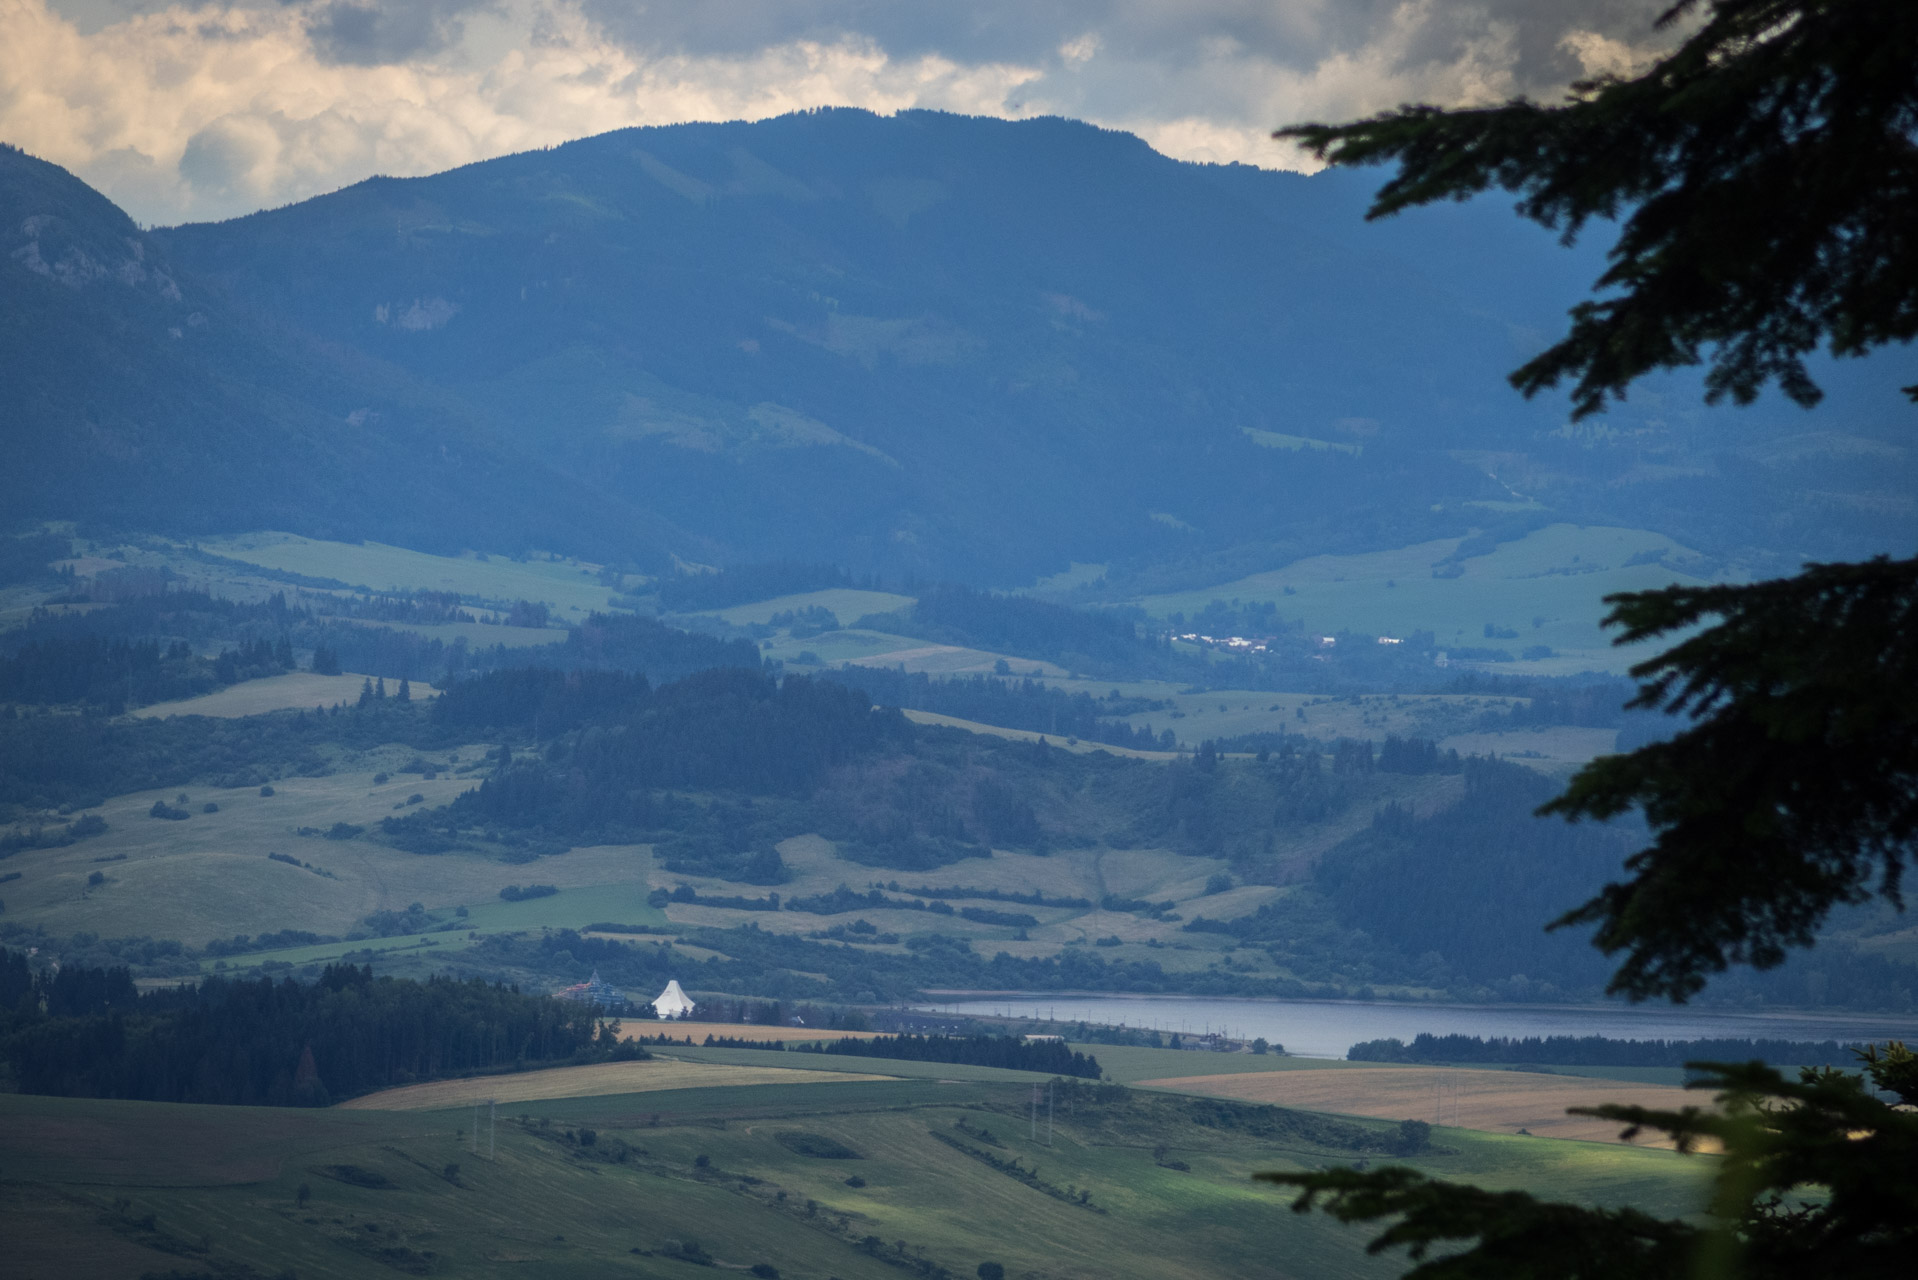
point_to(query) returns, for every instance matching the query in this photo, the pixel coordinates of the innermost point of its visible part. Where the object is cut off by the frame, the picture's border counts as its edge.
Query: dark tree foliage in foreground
(1795, 789)
(1767, 174)
(1827, 1129)
(87, 1033)
(1767, 179)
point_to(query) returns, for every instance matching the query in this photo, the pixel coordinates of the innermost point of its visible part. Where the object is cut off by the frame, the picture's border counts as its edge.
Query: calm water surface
(1327, 1028)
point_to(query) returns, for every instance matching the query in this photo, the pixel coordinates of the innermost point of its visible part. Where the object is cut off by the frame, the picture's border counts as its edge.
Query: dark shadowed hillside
(925, 344)
(139, 396)
(928, 342)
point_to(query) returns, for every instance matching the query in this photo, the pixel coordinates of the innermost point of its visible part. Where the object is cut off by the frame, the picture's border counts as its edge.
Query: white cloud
(204, 110)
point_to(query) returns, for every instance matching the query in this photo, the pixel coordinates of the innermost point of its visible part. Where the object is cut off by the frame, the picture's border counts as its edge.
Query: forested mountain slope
(981, 349)
(925, 344)
(139, 395)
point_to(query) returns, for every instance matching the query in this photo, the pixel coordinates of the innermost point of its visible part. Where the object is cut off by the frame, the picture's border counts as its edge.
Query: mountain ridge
(923, 345)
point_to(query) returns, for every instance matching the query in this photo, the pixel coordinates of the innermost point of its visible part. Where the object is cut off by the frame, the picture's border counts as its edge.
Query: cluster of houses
(1247, 644)
(1237, 644)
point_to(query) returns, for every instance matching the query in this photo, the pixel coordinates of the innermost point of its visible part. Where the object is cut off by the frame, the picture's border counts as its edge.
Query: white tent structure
(672, 1002)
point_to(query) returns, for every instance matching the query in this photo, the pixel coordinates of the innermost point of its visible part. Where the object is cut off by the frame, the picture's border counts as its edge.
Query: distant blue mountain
(977, 349)
(136, 395)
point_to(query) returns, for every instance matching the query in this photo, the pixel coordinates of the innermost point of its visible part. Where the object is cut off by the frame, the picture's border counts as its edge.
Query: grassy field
(736, 1031)
(1294, 444)
(1028, 735)
(795, 1176)
(1222, 713)
(570, 587)
(845, 603)
(209, 875)
(1493, 1101)
(938, 1072)
(1130, 1064)
(1547, 587)
(881, 649)
(599, 1079)
(478, 635)
(294, 690)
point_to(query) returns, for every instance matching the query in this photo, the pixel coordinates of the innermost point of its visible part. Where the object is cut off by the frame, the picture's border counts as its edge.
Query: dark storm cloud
(371, 33)
(214, 107)
(362, 33)
(1295, 34)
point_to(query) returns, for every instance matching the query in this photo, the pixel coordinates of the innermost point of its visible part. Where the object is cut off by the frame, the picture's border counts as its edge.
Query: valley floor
(893, 1170)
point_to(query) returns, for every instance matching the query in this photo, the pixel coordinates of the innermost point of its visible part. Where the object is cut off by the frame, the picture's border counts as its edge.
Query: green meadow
(209, 876)
(1547, 588)
(569, 586)
(881, 649)
(861, 1179)
(845, 603)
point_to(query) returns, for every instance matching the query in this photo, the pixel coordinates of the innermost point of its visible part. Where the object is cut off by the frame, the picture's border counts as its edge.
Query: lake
(1327, 1028)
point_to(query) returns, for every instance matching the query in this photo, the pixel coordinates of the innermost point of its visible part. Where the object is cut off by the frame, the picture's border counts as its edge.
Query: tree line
(746, 583)
(1600, 1051)
(87, 1033)
(1011, 704)
(1051, 1056)
(117, 673)
(143, 650)
(613, 741)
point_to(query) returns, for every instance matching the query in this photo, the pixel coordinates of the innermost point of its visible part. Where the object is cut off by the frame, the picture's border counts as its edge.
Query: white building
(672, 1002)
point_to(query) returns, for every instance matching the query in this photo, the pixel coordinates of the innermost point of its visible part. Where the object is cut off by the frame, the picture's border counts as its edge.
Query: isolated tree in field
(1766, 175)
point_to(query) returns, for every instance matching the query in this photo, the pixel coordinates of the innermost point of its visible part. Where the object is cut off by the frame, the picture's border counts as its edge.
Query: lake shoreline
(939, 995)
(1329, 1028)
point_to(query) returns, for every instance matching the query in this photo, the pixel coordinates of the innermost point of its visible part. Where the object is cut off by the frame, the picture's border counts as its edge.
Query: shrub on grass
(816, 1145)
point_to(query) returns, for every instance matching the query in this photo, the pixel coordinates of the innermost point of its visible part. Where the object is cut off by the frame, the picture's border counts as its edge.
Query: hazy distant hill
(959, 347)
(136, 394)
(927, 342)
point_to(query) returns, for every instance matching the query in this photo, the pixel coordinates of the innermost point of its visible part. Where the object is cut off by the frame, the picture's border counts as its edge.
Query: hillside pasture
(477, 635)
(570, 587)
(643, 1029)
(1558, 750)
(1133, 1064)
(296, 690)
(848, 604)
(1548, 586)
(1226, 713)
(116, 1189)
(208, 875)
(596, 1080)
(1073, 745)
(881, 649)
(1491, 1101)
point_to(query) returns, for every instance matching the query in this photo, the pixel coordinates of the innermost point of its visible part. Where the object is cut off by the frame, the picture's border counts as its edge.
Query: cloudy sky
(210, 108)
